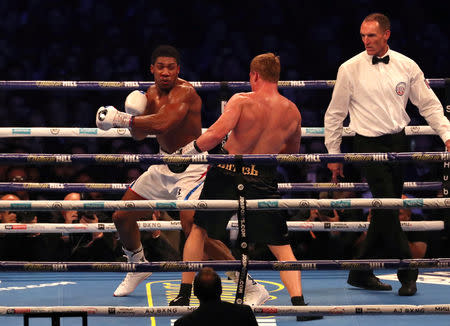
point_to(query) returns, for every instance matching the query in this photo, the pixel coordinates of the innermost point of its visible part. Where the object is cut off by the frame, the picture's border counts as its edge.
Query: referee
(373, 87)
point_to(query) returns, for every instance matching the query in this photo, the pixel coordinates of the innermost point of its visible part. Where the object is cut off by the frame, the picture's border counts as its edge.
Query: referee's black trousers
(385, 238)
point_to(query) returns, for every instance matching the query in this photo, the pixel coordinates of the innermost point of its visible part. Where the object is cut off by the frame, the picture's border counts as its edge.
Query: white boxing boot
(255, 294)
(132, 280)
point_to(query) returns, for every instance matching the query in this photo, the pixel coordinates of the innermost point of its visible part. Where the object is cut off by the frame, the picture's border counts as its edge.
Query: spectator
(22, 246)
(18, 174)
(212, 310)
(8, 216)
(96, 246)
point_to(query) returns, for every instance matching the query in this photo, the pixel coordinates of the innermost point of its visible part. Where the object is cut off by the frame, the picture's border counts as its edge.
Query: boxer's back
(266, 123)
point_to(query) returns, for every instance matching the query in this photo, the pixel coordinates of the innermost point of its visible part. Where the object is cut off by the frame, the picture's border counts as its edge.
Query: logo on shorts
(400, 88)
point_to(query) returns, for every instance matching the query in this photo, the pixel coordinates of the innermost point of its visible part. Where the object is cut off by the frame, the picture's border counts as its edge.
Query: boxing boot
(255, 294)
(132, 279)
(300, 301)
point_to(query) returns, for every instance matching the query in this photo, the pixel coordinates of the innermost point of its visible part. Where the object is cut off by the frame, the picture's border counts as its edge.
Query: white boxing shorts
(159, 183)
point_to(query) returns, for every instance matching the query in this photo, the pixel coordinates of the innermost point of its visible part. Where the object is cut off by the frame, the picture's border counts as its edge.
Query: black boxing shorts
(266, 227)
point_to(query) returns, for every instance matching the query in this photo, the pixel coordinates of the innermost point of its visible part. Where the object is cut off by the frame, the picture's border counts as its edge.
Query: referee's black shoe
(367, 281)
(408, 288)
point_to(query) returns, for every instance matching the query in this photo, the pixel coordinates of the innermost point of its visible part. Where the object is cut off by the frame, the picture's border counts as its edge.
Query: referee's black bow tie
(376, 60)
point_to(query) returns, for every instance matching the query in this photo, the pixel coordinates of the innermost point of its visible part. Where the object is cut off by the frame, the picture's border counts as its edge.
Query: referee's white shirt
(376, 95)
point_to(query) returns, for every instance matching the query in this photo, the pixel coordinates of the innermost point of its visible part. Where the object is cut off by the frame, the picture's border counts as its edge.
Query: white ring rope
(7, 132)
(176, 226)
(252, 204)
(124, 311)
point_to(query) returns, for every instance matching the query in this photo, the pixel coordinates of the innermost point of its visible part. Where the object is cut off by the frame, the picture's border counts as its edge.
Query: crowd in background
(112, 41)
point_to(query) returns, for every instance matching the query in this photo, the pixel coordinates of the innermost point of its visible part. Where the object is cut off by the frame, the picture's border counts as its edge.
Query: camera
(86, 214)
(24, 216)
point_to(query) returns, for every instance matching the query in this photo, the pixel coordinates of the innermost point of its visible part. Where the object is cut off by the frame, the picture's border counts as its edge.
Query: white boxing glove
(135, 103)
(109, 117)
(190, 148)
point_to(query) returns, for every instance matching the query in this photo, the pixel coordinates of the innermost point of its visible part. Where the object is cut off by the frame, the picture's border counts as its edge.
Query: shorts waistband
(249, 169)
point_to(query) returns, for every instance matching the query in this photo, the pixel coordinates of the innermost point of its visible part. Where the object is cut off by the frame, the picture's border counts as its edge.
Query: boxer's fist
(135, 103)
(109, 117)
(219, 148)
(190, 148)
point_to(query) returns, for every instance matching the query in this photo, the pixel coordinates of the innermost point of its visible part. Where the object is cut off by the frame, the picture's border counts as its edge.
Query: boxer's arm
(169, 115)
(220, 129)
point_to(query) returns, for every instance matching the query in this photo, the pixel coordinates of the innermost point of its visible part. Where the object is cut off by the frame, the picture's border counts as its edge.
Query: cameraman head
(71, 216)
(8, 216)
(78, 216)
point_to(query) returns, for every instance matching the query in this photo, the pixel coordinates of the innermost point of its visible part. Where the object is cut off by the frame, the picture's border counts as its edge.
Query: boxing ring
(82, 292)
